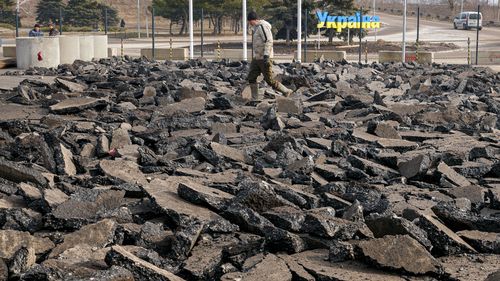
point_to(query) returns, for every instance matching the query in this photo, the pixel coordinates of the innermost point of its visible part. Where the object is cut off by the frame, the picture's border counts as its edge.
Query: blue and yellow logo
(341, 22)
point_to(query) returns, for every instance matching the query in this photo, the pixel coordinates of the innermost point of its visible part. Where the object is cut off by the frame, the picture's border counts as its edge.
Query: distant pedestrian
(53, 30)
(122, 28)
(36, 32)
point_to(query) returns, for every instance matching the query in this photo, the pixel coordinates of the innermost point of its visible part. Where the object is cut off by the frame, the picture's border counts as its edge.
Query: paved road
(489, 37)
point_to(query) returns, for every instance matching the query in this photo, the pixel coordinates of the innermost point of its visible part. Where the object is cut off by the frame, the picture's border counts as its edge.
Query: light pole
(498, 10)
(376, 29)
(462, 7)
(61, 21)
(299, 30)
(202, 20)
(153, 28)
(477, 32)
(191, 38)
(147, 22)
(139, 19)
(17, 19)
(244, 23)
(18, 7)
(105, 20)
(404, 32)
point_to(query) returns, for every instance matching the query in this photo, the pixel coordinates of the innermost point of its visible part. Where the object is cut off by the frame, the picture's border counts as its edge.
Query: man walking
(36, 32)
(262, 41)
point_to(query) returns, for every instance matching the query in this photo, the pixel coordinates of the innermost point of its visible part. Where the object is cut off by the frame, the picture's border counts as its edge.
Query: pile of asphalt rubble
(138, 170)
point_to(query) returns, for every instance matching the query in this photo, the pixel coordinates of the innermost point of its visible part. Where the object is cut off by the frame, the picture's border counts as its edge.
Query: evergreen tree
(82, 13)
(7, 12)
(89, 13)
(6, 5)
(112, 15)
(48, 11)
(282, 14)
(174, 10)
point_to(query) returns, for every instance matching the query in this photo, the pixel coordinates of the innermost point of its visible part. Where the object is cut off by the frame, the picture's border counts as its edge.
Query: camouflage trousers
(258, 67)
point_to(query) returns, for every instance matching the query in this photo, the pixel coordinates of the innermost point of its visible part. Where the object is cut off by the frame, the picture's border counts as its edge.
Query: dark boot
(254, 87)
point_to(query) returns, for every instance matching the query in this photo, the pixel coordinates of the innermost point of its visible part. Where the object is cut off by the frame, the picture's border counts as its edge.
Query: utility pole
(17, 18)
(191, 38)
(498, 10)
(153, 29)
(245, 31)
(404, 32)
(462, 7)
(418, 23)
(202, 20)
(147, 22)
(305, 35)
(139, 19)
(18, 7)
(61, 20)
(17, 22)
(299, 30)
(477, 32)
(105, 21)
(376, 29)
(360, 35)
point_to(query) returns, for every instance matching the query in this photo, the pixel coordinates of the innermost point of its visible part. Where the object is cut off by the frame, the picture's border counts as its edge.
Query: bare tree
(451, 4)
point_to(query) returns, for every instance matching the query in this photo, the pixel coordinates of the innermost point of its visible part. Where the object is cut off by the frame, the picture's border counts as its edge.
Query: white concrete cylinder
(100, 46)
(86, 48)
(37, 52)
(69, 48)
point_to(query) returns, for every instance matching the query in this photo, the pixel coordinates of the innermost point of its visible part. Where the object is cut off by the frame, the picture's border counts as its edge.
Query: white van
(468, 20)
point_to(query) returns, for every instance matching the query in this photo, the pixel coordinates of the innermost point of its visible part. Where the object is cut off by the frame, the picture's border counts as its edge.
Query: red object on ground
(39, 56)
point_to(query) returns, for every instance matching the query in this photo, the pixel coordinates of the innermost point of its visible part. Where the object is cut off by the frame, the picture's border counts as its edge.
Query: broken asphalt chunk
(75, 105)
(399, 253)
(18, 173)
(141, 269)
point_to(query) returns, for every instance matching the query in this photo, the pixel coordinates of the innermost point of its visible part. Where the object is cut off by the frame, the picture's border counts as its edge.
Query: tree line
(7, 13)
(79, 13)
(282, 14)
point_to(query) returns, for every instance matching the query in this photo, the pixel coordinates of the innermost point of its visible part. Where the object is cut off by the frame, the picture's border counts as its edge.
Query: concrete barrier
(9, 51)
(486, 57)
(100, 46)
(113, 52)
(311, 55)
(37, 52)
(86, 48)
(396, 56)
(164, 53)
(69, 48)
(52, 51)
(232, 54)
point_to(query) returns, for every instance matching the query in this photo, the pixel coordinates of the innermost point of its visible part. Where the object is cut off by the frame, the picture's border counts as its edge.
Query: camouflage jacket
(262, 40)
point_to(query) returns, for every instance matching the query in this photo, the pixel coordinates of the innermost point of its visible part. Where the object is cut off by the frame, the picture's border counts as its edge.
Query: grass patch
(7, 26)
